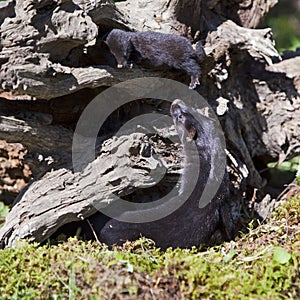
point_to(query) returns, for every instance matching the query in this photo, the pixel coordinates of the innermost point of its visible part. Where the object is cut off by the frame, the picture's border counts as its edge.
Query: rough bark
(58, 66)
(191, 17)
(246, 13)
(48, 145)
(255, 94)
(62, 196)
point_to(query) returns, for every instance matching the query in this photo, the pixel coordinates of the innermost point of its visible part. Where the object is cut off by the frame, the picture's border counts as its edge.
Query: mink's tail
(200, 51)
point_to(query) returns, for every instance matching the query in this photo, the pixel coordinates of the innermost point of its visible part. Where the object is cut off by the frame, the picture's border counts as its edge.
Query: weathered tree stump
(53, 61)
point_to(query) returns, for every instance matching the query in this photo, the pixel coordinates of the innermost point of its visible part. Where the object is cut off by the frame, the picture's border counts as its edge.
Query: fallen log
(50, 62)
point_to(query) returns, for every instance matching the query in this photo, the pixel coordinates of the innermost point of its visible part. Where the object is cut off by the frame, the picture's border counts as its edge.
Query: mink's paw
(194, 82)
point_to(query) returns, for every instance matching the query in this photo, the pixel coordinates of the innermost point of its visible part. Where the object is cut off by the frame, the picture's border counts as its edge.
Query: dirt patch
(14, 173)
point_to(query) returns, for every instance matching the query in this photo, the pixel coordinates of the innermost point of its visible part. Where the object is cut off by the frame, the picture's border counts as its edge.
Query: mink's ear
(191, 134)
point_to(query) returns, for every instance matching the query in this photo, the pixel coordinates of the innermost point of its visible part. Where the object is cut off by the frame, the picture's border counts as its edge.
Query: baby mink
(156, 49)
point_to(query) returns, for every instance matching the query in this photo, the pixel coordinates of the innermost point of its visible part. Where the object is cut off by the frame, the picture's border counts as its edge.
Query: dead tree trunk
(53, 62)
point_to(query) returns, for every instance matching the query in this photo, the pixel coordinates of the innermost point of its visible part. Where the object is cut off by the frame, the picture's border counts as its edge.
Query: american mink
(156, 49)
(189, 225)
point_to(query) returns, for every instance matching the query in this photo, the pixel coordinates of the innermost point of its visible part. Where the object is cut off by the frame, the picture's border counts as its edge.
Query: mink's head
(119, 44)
(185, 124)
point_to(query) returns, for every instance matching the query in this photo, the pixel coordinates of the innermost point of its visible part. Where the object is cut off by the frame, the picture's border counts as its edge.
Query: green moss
(289, 211)
(285, 35)
(284, 20)
(3, 212)
(262, 264)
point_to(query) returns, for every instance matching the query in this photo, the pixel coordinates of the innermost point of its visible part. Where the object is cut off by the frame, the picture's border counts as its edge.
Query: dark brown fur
(189, 225)
(156, 49)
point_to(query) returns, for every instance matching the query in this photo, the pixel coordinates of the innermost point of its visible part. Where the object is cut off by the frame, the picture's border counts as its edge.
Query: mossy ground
(262, 264)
